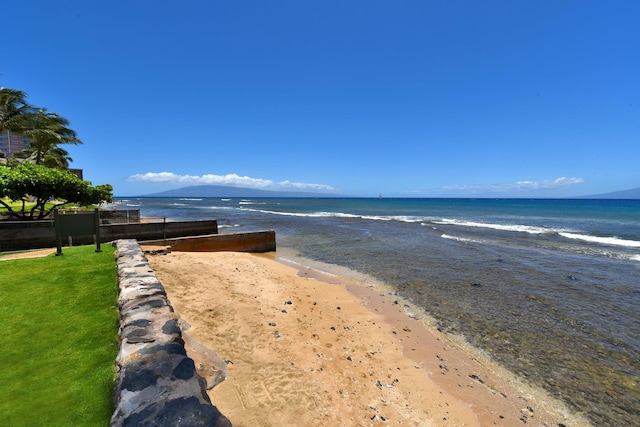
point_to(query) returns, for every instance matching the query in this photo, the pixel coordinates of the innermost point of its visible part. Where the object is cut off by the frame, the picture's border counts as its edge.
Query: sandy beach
(306, 348)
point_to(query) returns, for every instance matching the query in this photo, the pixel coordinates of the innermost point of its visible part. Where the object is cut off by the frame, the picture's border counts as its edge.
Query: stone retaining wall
(157, 383)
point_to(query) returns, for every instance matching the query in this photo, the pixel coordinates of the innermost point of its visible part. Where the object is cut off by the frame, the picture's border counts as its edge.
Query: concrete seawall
(27, 235)
(157, 383)
(42, 234)
(255, 241)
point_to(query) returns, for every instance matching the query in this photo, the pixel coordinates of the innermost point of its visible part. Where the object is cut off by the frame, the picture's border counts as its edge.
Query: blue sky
(404, 98)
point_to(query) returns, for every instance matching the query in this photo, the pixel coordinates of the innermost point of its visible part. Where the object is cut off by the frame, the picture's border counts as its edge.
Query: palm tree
(57, 158)
(46, 130)
(13, 108)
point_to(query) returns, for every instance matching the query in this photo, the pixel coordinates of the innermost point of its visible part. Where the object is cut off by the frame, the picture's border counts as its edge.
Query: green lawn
(58, 338)
(17, 207)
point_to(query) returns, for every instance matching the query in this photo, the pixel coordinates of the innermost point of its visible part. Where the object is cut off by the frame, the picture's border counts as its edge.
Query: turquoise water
(550, 288)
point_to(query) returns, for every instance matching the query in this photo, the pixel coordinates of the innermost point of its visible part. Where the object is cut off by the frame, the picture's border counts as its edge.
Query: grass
(17, 206)
(58, 344)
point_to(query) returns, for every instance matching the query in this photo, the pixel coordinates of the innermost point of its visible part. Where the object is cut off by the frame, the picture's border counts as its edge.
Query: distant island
(624, 194)
(228, 191)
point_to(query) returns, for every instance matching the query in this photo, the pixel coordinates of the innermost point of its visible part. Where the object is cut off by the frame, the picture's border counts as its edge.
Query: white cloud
(229, 179)
(545, 184)
(519, 186)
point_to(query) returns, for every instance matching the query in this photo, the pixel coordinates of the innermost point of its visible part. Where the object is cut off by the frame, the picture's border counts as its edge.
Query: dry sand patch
(305, 352)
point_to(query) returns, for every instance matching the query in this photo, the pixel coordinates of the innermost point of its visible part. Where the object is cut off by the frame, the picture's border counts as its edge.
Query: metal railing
(124, 216)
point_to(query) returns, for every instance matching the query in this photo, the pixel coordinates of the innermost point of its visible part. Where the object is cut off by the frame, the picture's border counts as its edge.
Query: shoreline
(308, 345)
(419, 345)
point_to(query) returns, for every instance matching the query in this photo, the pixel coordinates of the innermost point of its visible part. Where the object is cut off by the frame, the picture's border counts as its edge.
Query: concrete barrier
(157, 383)
(157, 230)
(256, 241)
(15, 236)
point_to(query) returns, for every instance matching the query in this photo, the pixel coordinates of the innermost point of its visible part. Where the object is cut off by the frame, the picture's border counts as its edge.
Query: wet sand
(306, 348)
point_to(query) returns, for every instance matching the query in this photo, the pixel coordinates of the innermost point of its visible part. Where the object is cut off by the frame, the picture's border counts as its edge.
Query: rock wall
(157, 383)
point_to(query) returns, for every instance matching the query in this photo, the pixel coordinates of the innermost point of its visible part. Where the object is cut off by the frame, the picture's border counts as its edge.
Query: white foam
(229, 226)
(459, 239)
(217, 208)
(614, 241)
(322, 214)
(399, 218)
(504, 227)
(308, 214)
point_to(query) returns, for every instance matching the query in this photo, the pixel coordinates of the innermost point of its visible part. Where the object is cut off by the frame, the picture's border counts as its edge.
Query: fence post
(56, 219)
(97, 226)
(164, 229)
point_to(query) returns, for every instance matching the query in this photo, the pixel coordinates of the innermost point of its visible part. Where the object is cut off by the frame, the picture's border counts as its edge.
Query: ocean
(548, 288)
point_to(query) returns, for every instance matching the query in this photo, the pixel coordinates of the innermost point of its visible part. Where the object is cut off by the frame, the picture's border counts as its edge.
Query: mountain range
(228, 191)
(634, 193)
